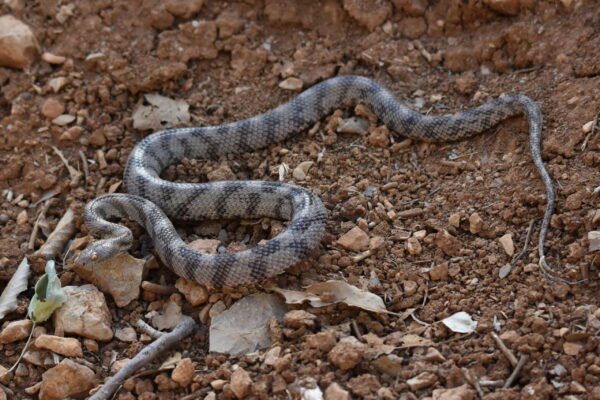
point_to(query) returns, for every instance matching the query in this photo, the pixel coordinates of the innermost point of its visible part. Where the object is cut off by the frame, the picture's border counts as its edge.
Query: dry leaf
(461, 322)
(162, 112)
(331, 292)
(17, 284)
(243, 328)
(64, 231)
(170, 317)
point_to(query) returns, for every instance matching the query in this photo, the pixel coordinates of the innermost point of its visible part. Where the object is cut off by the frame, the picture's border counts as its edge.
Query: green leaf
(48, 296)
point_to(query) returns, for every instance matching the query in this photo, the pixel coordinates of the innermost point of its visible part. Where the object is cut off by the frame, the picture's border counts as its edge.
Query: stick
(507, 352)
(185, 328)
(473, 381)
(511, 379)
(36, 225)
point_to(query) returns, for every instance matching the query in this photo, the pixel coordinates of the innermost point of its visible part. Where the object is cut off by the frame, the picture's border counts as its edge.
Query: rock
(594, 239)
(364, 385)
(183, 372)
(91, 345)
(335, 392)
(414, 246)
(354, 240)
(353, 125)
(412, 27)
(229, 23)
(207, 245)
(56, 84)
(194, 293)
(422, 381)
(410, 288)
(292, 83)
(272, 356)
(454, 220)
(449, 244)
(183, 8)
(475, 223)
(439, 272)
(433, 355)
(126, 334)
(67, 379)
(572, 349)
(15, 330)
(301, 170)
(18, 46)
(369, 14)
(69, 347)
(64, 119)
(507, 244)
(84, 313)
(71, 134)
(52, 108)
(323, 341)
(463, 392)
(53, 58)
(298, 318)
(240, 383)
(506, 7)
(121, 276)
(347, 354)
(247, 62)
(413, 8)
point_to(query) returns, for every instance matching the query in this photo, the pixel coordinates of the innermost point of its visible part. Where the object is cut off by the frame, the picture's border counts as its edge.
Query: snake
(151, 200)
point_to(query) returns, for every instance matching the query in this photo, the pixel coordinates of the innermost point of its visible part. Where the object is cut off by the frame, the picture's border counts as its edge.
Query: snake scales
(151, 197)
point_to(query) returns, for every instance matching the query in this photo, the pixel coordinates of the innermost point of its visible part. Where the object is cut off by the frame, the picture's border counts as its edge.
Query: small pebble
(291, 83)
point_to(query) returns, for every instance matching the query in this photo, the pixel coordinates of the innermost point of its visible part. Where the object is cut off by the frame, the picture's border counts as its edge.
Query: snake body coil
(151, 197)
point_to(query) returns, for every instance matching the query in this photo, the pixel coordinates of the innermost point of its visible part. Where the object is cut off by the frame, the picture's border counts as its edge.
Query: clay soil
(438, 57)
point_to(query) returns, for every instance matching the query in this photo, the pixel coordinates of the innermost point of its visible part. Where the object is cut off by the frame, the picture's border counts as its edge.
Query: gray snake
(151, 199)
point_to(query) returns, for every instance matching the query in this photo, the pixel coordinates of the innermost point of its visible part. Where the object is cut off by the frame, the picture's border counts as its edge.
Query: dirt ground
(227, 60)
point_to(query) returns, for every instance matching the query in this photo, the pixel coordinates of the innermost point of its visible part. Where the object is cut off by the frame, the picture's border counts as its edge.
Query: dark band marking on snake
(152, 200)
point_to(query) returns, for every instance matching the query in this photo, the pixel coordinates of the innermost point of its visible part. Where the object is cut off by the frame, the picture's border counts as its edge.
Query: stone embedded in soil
(463, 392)
(433, 355)
(364, 385)
(194, 293)
(301, 170)
(323, 341)
(84, 313)
(414, 246)
(507, 244)
(454, 220)
(52, 108)
(336, 392)
(53, 59)
(506, 7)
(439, 272)
(15, 330)
(69, 347)
(572, 349)
(191, 41)
(347, 354)
(291, 83)
(422, 381)
(18, 45)
(354, 240)
(369, 14)
(67, 379)
(126, 334)
(475, 224)
(379, 136)
(594, 240)
(298, 318)
(183, 8)
(449, 244)
(183, 372)
(240, 383)
(413, 8)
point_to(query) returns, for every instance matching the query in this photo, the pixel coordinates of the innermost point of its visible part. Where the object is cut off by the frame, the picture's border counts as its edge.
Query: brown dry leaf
(58, 239)
(162, 112)
(331, 292)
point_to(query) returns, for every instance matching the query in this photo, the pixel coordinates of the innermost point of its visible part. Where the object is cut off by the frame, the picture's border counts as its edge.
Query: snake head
(97, 252)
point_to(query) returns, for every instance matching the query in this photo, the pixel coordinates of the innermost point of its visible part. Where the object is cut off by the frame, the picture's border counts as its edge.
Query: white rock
(594, 239)
(18, 46)
(64, 119)
(294, 84)
(126, 334)
(84, 313)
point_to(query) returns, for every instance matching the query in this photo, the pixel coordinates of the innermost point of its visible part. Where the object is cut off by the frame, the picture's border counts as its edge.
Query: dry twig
(511, 379)
(507, 352)
(185, 328)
